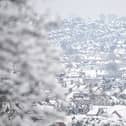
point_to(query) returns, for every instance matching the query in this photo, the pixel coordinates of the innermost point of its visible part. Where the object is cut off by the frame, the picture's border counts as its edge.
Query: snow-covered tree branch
(28, 66)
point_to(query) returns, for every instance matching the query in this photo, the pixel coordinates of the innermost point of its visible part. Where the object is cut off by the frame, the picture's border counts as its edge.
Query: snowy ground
(109, 117)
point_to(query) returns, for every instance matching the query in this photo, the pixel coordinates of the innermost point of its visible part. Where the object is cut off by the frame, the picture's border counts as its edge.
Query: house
(102, 99)
(116, 115)
(123, 94)
(117, 112)
(95, 111)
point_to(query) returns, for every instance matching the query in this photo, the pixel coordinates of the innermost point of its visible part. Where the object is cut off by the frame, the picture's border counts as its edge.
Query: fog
(82, 8)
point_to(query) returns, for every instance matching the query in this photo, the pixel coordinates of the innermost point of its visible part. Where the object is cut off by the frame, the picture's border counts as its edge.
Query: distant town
(95, 68)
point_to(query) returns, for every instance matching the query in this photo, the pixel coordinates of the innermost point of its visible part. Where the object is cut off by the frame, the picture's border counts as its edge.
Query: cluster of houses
(95, 65)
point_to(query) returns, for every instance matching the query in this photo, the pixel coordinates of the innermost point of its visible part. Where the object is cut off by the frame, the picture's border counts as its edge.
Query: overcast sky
(82, 8)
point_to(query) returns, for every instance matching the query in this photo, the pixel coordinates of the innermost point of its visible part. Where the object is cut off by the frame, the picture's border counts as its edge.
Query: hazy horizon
(82, 8)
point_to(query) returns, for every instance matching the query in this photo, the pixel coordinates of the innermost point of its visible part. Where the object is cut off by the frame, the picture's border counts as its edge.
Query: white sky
(82, 8)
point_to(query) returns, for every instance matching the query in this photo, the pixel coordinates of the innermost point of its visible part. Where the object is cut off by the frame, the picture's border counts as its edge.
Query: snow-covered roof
(120, 109)
(124, 92)
(93, 111)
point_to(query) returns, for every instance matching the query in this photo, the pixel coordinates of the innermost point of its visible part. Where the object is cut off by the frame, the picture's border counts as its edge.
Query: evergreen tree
(28, 66)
